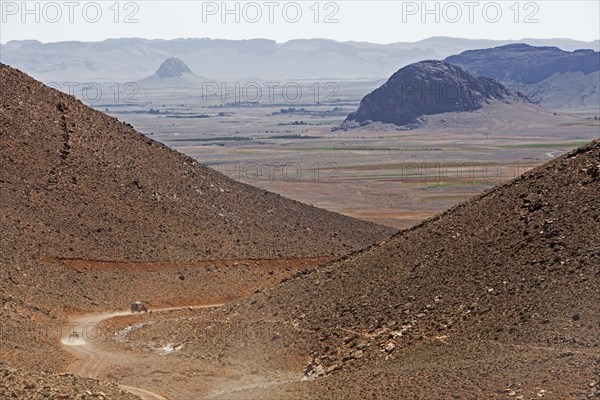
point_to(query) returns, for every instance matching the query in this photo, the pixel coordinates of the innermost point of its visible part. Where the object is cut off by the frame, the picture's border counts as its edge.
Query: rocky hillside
(94, 215)
(15, 384)
(497, 297)
(524, 63)
(547, 75)
(79, 184)
(426, 88)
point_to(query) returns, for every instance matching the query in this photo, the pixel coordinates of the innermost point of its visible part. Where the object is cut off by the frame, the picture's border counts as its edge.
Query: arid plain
(289, 143)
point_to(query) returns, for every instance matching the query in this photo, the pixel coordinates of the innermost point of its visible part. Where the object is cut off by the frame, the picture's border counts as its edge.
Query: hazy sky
(369, 21)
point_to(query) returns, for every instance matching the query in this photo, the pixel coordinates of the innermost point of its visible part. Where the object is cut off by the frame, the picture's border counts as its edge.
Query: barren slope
(94, 215)
(16, 384)
(499, 294)
(79, 184)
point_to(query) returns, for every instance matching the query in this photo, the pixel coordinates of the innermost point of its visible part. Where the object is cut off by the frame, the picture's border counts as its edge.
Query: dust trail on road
(90, 355)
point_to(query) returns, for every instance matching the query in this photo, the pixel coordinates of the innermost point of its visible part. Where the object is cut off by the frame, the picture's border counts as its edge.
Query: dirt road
(83, 338)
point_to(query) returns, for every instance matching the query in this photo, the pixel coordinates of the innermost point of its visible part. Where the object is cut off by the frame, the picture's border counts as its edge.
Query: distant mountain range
(131, 59)
(549, 76)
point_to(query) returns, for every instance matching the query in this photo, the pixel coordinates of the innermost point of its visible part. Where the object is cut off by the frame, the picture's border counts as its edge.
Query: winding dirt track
(92, 359)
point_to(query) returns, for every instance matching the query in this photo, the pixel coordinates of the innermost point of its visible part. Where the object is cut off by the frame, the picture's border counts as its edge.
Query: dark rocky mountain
(524, 63)
(427, 88)
(172, 67)
(549, 76)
